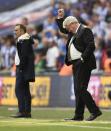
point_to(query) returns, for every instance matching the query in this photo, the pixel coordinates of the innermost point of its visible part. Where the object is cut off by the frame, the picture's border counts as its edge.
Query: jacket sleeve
(60, 25)
(24, 54)
(88, 39)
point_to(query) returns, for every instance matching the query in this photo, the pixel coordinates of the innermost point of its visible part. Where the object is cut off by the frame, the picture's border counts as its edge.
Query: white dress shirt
(22, 37)
(17, 59)
(73, 52)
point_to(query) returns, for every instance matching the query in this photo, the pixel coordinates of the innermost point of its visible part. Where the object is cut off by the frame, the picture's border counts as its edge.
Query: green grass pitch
(51, 119)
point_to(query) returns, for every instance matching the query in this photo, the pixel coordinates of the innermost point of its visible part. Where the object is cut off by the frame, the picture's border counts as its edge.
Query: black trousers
(82, 75)
(22, 92)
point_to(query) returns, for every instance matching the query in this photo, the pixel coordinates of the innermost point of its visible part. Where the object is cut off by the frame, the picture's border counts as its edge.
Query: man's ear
(22, 31)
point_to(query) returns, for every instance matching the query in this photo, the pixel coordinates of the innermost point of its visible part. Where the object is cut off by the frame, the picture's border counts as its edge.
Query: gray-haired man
(80, 48)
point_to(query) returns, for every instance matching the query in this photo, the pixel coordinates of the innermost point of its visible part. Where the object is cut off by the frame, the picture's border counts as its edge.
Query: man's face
(17, 31)
(71, 27)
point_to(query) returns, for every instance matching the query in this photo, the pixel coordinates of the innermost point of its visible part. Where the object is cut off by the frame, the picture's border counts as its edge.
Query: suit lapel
(78, 34)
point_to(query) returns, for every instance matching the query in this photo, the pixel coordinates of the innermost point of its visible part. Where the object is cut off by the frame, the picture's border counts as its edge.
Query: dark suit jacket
(26, 55)
(83, 42)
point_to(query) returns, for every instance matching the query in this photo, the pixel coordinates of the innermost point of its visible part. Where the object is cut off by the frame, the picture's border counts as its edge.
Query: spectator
(98, 55)
(40, 63)
(7, 53)
(62, 49)
(94, 13)
(52, 56)
(24, 21)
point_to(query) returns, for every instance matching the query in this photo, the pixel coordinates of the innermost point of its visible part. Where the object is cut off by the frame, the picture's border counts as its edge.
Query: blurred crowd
(50, 44)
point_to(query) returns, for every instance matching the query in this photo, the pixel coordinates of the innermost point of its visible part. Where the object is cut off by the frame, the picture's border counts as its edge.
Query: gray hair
(68, 20)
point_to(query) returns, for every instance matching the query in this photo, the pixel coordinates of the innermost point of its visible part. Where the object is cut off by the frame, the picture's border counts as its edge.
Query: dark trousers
(22, 92)
(83, 98)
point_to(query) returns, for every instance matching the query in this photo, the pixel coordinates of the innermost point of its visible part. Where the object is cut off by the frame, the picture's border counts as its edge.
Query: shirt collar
(77, 28)
(24, 36)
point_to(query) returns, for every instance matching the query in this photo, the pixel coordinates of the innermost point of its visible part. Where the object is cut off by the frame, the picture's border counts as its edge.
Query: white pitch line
(24, 120)
(96, 127)
(53, 108)
(56, 124)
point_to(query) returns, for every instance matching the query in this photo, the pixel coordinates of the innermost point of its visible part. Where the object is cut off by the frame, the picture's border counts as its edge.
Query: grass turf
(51, 119)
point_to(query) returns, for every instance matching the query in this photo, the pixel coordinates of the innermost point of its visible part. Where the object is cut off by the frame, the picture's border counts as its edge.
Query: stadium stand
(41, 25)
(6, 5)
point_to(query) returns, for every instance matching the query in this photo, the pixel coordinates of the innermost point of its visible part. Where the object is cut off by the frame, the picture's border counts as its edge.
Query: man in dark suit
(24, 61)
(79, 53)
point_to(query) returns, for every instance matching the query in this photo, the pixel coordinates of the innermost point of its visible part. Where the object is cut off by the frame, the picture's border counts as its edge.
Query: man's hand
(60, 13)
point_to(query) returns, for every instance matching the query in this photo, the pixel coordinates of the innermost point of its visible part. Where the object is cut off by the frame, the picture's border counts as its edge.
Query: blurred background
(54, 83)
